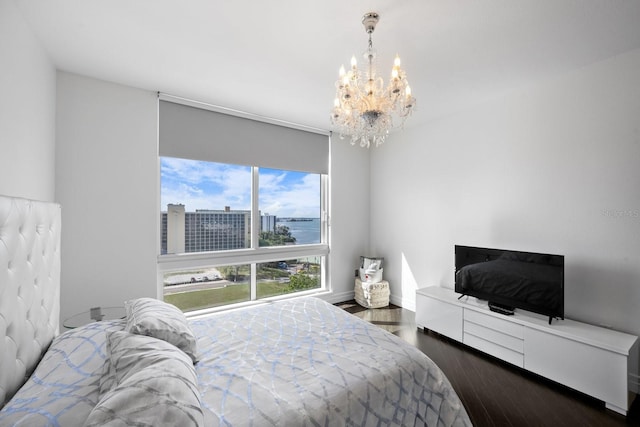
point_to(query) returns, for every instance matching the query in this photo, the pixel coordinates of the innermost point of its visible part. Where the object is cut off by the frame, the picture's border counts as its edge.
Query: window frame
(254, 255)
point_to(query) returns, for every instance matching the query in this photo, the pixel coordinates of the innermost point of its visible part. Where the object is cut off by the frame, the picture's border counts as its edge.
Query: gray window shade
(198, 134)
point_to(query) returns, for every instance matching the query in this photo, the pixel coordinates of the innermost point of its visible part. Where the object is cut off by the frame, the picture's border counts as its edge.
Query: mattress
(296, 362)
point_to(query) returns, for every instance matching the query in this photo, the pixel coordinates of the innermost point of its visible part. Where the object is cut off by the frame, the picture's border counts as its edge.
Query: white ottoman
(372, 295)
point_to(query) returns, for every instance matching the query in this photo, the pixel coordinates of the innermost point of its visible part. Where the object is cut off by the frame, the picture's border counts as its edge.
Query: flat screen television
(510, 279)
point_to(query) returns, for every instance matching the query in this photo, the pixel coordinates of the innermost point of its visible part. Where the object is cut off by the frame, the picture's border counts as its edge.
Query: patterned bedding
(63, 389)
(296, 362)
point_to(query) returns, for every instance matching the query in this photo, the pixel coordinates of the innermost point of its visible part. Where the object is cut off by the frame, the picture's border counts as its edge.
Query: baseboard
(336, 297)
(634, 383)
(409, 304)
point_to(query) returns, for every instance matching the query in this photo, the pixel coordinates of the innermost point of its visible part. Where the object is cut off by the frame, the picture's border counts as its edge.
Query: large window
(205, 206)
(201, 288)
(235, 231)
(289, 204)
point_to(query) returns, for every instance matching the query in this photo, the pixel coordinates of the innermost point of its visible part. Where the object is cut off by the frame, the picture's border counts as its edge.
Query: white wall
(350, 215)
(27, 110)
(107, 183)
(550, 169)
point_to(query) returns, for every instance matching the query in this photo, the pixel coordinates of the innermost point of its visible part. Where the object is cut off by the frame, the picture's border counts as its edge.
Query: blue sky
(205, 185)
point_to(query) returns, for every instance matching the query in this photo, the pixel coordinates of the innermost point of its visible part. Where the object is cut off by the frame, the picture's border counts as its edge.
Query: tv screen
(510, 279)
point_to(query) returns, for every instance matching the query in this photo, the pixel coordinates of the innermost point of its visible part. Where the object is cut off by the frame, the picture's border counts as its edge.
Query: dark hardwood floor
(493, 392)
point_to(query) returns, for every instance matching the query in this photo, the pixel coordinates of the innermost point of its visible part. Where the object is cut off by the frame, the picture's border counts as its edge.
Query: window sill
(197, 314)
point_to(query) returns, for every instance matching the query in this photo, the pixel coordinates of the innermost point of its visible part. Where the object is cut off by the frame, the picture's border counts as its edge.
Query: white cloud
(204, 185)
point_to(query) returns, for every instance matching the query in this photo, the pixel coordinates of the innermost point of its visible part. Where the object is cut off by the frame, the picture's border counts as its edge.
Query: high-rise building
(204, 230)
(268, 222)
(175, 229)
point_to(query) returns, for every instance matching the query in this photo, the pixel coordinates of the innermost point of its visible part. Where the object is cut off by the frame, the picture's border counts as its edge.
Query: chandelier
(363, 108)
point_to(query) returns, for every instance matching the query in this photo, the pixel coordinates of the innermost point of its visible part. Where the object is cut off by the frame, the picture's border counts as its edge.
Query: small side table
(95, 314)
(372, 295)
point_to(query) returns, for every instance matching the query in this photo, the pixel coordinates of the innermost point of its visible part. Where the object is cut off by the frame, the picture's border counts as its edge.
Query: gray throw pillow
(150, 382)
(158, 319)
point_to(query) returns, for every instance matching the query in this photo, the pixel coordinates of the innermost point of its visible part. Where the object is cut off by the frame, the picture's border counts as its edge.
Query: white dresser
(600, 362)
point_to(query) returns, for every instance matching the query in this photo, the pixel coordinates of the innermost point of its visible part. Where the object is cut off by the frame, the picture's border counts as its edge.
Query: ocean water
(305, 232)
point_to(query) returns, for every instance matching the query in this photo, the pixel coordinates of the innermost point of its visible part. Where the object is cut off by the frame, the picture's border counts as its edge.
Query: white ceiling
(280, 58)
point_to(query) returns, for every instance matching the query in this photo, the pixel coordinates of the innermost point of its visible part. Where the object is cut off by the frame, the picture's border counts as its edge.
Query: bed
(295, 362)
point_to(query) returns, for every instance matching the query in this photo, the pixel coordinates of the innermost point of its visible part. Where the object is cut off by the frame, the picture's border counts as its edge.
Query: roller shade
(198, 134)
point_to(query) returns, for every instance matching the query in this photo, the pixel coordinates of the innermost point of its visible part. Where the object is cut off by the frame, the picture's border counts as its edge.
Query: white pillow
(158, 319)
(150, 382)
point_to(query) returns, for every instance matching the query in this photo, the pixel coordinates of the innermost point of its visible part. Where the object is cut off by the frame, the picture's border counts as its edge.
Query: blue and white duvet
(64, 386)
(305, 362)
(296, 362)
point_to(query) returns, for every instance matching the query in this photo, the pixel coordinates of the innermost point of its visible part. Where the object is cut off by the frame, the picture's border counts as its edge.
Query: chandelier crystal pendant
(363, 108)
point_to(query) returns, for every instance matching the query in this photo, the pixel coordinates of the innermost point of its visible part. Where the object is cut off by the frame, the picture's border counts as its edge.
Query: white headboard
(29, 287)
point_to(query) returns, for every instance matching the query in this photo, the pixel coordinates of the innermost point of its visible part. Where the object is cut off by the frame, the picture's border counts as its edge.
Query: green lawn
(194, 300)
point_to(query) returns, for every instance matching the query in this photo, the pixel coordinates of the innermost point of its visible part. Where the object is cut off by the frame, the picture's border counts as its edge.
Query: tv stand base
(594, 360)
(502, 309)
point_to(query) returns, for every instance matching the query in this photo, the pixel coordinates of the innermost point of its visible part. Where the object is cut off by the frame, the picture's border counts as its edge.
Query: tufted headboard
(29, 287)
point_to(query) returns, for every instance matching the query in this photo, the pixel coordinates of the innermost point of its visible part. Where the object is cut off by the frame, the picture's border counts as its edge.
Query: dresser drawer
(491, 322)
(494, 336)
(508, 355)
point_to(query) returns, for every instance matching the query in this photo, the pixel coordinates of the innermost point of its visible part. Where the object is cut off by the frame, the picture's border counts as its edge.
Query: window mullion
(254, 282)
(255, 207)
(244, 256)
(255, 228)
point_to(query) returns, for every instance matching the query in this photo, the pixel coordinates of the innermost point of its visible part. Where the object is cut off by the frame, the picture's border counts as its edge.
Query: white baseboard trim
(335, 297)
(409, 304)
(634, 383)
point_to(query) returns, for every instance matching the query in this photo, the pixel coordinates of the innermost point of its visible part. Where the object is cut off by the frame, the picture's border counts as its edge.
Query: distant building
(268, 222)
(208, 230)
(176, 230)
(204, 230)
